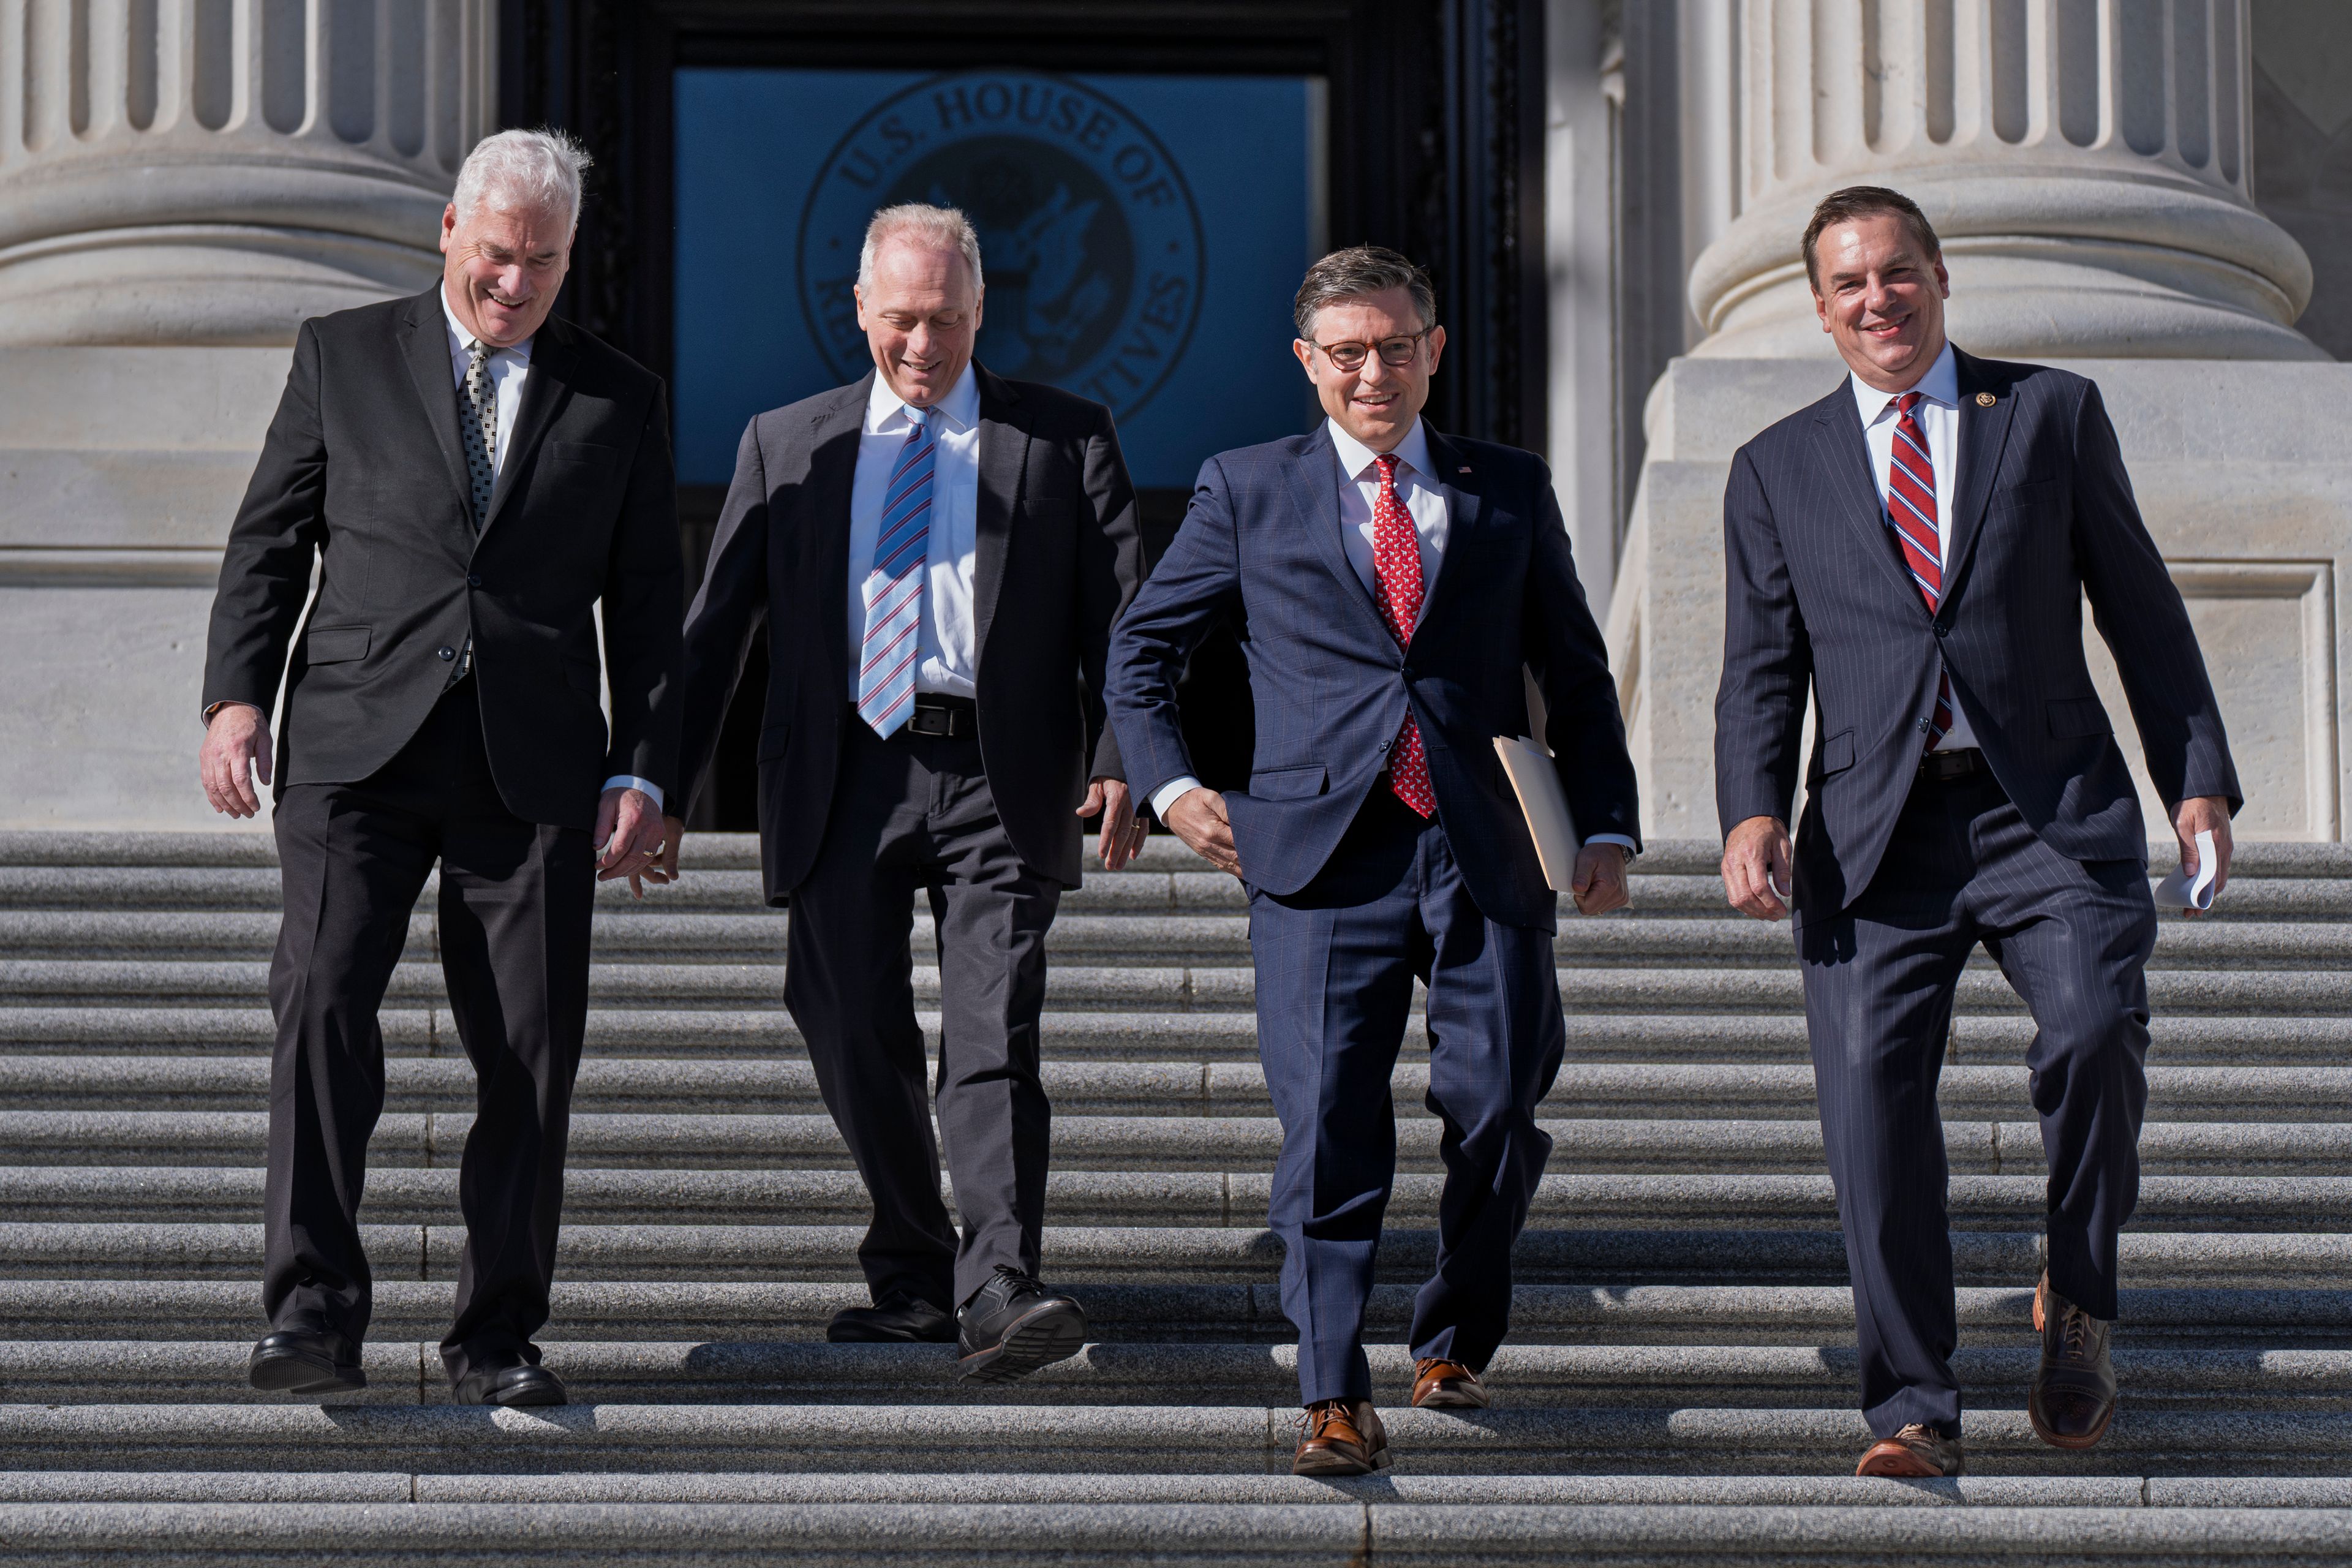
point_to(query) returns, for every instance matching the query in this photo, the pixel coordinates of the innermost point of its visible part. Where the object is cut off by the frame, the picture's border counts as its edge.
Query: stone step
(1245, 1439)
(410, 1195)
(1521, 1377)
(1113, 1529)
(671, 935)
(884, 1488)
(1171, 987)
(1143, 1255)
(1144, 1036)
(1168, 1090)
(1156, 1143)
(1617, 1312)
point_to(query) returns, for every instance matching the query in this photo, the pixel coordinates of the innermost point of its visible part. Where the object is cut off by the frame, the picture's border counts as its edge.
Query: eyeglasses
(1395, 352)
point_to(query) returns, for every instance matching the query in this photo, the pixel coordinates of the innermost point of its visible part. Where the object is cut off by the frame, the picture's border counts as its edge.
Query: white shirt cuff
(1617, 839)
(1172, 792)
(630, 780)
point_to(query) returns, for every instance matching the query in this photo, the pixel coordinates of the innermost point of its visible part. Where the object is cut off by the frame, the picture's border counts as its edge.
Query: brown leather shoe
(1343, 1438)
(1441, 1385)
(1915, 1453)
(2074, 1393)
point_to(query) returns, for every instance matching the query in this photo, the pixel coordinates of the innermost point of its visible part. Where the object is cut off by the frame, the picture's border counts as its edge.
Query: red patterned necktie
(1911, 513)
(1396, 566)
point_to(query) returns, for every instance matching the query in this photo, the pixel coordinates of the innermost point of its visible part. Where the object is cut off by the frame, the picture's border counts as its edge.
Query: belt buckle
(930, 722)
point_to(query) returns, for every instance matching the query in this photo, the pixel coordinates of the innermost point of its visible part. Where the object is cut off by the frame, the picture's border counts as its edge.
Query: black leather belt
(956, 717)
(1946, 765)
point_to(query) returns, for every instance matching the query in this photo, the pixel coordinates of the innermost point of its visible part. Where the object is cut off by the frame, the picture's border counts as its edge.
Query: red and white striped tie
(1911, 513)
(1396, 566)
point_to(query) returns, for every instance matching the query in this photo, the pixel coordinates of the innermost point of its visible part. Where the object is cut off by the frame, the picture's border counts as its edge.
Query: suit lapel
(1314, 482)
(1983, 435)
(545, 391)
(1466, 514)
(1845, 460)
(833, 472)
(1004, 462)
(427, 353)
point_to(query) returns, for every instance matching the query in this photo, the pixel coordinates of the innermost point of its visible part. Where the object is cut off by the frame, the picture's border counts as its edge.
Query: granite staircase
(1679, 1384)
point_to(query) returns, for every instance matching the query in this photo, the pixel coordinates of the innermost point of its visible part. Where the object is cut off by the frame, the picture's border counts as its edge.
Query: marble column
(2085, 163)
(181, 183)
(200, 172)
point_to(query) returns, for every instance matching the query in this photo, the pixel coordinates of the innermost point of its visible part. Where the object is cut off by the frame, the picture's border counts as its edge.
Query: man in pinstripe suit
(1917, 547)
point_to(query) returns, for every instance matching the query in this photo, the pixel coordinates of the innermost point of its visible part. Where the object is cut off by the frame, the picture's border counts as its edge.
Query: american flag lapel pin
(1462, 469)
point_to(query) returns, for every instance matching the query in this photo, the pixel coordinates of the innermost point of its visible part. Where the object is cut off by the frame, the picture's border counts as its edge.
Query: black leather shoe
(1013, 1325)
(299, 1361)
(896, 1319)
(511, 1381)
(2072, 1395)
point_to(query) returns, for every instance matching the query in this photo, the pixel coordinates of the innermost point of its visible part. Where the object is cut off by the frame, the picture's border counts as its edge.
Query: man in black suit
(474, 478)
(1916, 547)
(938, 556)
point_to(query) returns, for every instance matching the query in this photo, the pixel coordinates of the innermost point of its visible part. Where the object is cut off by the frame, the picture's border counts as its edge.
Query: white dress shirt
(946, 655)
(1422, 490)
(508, 369)
(1938, 413)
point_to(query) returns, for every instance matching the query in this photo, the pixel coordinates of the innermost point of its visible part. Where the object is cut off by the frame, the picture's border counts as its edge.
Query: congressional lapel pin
(1462, 469)
(1984, 400)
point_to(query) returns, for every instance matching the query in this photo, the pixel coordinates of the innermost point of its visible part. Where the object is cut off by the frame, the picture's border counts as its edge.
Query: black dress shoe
(2073, 1397)
(1013, 1325)
(896, 1319)
(511, 1381)
(301, 1360)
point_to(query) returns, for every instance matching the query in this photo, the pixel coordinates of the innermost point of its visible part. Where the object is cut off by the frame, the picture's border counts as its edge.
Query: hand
(666, 870)
(1756, 867)
(2198, 814)
(1122, 829)
(1599, 885)
(1198, 818)
(628, 838)
(236, 746)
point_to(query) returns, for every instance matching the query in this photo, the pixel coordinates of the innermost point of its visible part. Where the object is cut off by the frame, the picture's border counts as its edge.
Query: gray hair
(536, 170)
(1355, 272)
(938, 228)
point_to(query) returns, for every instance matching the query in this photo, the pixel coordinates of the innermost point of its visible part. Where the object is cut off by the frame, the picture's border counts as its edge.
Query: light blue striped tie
(893, 589)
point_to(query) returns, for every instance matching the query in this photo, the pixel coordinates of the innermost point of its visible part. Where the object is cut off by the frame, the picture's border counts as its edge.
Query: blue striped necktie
(893, 588)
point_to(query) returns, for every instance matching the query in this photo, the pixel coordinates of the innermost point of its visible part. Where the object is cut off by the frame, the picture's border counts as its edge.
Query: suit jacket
(2043, 516)
(1262, 546)
(363, 471)
(1058, 553)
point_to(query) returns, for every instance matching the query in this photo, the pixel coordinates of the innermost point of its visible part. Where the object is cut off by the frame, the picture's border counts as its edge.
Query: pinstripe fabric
(1818, 595)
(1261, 549)
(2073, 937)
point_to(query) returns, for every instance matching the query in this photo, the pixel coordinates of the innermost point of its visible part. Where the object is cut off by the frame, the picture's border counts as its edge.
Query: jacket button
(1942, 630)
(452, 653)
(1924, 725)
(473, 581)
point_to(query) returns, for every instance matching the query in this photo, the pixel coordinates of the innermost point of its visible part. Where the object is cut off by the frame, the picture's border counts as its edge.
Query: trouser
(2073, 939)
(1335, 963)
(516, 901)
(908, 812)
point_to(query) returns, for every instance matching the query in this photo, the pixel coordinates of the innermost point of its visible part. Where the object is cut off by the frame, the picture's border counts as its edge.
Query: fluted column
(2085, 163)
(208, 172)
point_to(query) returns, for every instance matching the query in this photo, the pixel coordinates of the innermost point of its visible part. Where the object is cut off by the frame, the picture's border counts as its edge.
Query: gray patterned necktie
(477, 425)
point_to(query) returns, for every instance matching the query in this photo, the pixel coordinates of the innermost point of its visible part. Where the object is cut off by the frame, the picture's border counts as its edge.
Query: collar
(461, 341)
(1412, 452)
(1940, 384)
(885, 411)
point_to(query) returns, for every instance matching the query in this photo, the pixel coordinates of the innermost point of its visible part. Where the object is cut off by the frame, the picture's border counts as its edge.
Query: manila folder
(1535, 778)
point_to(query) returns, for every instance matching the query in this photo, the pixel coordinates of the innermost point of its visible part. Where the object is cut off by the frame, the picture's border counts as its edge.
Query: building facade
(1608, 193)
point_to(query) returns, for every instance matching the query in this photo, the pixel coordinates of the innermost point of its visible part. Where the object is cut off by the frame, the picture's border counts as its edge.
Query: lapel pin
(1462, 469)
(1984, 400)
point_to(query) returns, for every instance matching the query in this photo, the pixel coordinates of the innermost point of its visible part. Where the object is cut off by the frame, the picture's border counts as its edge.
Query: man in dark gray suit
(937, 554)
(1916, 547)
